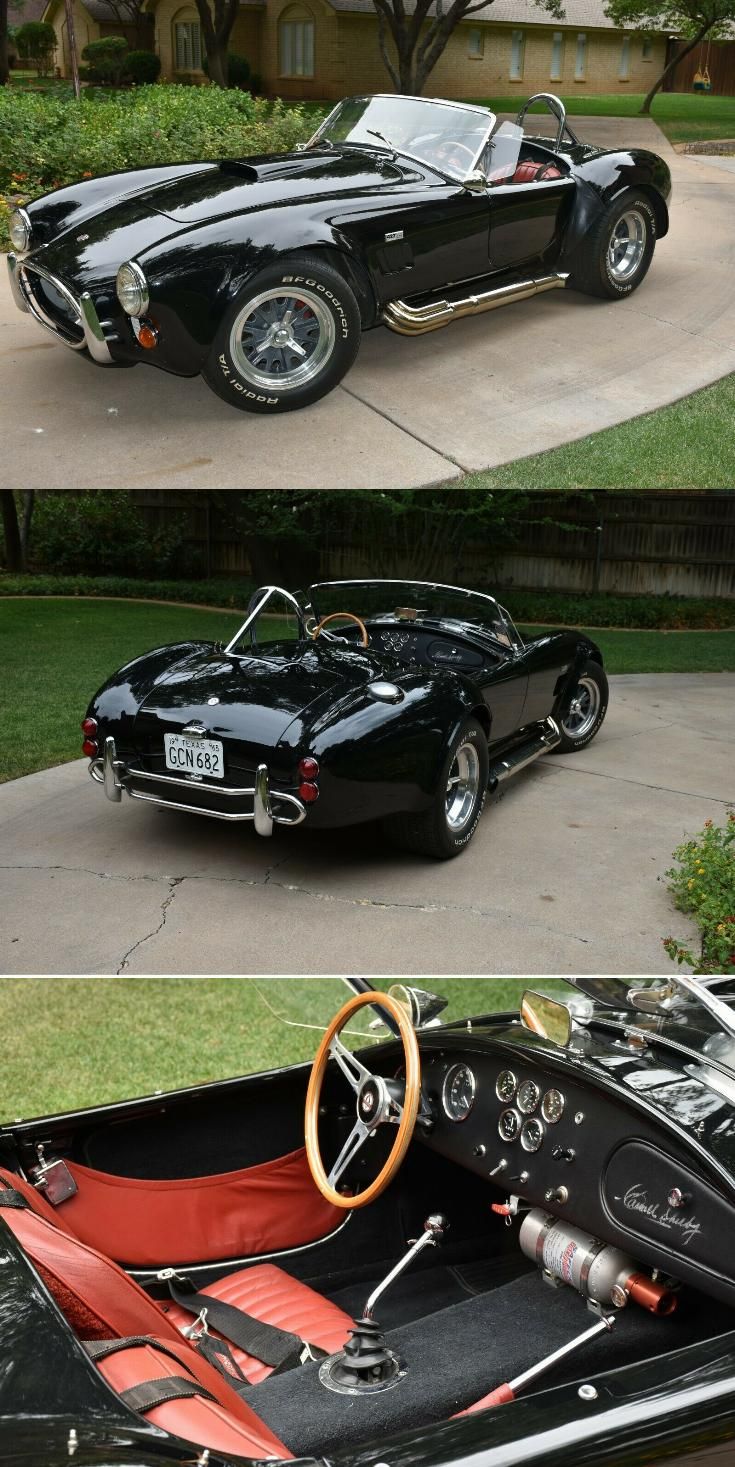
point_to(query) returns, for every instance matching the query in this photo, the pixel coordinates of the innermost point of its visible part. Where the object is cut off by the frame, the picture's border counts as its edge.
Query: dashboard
(542, 1130)
(431, 649)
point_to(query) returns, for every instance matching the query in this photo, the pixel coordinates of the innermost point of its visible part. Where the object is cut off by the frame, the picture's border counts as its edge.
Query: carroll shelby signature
(636, 1200)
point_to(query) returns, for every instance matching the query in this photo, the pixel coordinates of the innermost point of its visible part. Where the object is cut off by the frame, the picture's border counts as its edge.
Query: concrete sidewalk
(565, 874)
(413, 411)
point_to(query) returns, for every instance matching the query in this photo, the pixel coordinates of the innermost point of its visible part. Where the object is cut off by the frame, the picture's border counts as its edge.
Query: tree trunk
(4, 64)
(29, 500)
(646, 107)
(217, 63)
(13, 547)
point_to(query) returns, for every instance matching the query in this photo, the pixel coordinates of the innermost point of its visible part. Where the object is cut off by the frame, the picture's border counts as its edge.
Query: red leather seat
(530, 171)
(102, 1302)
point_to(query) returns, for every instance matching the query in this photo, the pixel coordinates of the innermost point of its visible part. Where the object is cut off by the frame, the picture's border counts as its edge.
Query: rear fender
(115, 705)
(601, 180)
(585, 651)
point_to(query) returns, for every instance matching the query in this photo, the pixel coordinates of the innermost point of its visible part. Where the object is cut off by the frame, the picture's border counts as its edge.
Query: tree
(216, 22)
(11, 530)
(420, 32)
(36, 42)
(690, 19)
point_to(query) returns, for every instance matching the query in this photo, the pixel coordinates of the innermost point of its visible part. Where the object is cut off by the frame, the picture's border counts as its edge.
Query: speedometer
(458, 1092)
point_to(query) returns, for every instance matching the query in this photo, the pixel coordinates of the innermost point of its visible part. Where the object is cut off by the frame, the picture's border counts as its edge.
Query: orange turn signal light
(148, 336)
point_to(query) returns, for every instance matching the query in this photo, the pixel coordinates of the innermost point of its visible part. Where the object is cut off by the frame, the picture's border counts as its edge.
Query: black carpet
(457, 1355)
(418, 1294)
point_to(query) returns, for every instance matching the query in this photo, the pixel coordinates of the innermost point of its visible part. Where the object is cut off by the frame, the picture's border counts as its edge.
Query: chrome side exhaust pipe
(415, 320)
(548, 739)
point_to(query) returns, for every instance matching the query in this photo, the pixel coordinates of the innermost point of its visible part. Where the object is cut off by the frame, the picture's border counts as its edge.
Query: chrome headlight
(132, 289)
(20, 230)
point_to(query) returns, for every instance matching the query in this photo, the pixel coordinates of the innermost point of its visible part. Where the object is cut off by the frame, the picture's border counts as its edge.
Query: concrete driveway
(412, 411)
(565, 874)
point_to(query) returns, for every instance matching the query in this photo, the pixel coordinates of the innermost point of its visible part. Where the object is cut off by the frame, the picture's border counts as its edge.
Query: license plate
(194, 756)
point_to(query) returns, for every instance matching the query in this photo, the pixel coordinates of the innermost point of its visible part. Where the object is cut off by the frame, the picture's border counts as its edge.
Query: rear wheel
(450, 822)
(618, 249)
(584, 711)
(288, 338)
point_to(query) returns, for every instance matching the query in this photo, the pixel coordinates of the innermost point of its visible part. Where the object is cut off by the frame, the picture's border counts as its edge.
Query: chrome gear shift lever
(366, 1363)
(435, 1227)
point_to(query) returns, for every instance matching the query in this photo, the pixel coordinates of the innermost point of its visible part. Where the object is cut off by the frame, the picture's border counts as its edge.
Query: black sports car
(408, 714)
(501, 1240)
(261, 273)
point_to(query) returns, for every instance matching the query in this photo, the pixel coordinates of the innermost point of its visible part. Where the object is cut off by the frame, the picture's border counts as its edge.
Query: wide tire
(447, 827)
(287, 340)
(583, 714)
(618, 249)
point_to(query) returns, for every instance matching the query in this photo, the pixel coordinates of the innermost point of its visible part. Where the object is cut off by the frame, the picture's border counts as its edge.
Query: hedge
(635, 612)
(48, 141)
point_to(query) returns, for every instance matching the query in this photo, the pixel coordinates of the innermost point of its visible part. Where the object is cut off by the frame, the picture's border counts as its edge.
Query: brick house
(326, 49)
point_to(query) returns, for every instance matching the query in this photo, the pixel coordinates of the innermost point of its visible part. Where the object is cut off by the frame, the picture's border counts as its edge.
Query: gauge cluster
(527, 1110)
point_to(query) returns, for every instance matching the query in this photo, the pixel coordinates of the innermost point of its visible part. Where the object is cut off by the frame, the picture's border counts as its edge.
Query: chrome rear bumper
(267, 810)
(86, 322)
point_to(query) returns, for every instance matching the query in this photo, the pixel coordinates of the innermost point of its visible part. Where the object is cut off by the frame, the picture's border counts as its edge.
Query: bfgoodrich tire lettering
(604, 271)
(583, 712)
(447, 827)
(288, 339)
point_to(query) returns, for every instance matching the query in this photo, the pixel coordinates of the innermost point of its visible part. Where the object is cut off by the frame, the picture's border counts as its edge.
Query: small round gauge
(552, 1107)
(528, 1096)
(506, 1086)
(509, 1124)
(458, 1092)
(532, 1134)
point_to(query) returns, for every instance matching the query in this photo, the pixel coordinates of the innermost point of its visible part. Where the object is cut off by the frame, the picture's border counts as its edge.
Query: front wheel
(618, 249)
(287, 339)
(584, 710)
(449, 824)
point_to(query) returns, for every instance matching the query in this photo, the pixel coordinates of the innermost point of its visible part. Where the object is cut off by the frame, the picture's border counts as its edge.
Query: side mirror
(546, 1017)
(475, 182)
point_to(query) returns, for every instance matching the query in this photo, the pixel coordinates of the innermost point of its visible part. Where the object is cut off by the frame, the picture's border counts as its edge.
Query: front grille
(52, 304)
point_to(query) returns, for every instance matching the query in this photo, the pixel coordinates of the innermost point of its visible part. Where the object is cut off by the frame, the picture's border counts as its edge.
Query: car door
(545, 661)
(422, 238)
(526, 218)
(505, 693)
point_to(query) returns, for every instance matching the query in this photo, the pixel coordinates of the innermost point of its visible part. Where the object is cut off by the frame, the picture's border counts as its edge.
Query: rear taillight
(308, 792)
(89, 748)
(89, 727)
(308, 768)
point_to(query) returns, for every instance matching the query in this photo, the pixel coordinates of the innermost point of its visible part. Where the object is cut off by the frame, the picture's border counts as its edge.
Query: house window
(557, 56)
(475, 43)
(624, 73)
(296, 44)
(517, 47)
(188, 45)
(647, 49)
(580, 60)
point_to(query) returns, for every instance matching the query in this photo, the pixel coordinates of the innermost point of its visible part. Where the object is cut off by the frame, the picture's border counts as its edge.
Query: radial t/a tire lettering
(447, 827)
(287, 339)
(619, 248)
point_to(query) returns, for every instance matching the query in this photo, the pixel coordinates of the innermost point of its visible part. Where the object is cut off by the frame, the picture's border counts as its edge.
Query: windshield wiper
(382, 138)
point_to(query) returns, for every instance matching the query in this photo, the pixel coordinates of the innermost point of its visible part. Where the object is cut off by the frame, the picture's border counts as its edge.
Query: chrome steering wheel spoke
(358, 1135)
(350, 1065)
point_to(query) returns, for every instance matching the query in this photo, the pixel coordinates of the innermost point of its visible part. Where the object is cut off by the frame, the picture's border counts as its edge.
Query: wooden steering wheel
(342, 616)
(375, 1104)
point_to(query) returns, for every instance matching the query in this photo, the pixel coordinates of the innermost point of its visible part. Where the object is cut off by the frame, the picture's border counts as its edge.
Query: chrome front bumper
(116, 776)
(93, 334)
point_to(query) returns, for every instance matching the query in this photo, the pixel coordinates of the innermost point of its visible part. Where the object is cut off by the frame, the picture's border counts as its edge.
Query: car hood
(86, 231)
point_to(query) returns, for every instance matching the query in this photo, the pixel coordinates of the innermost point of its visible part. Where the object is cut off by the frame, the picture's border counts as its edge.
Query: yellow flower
(691, 883)
(700, 870)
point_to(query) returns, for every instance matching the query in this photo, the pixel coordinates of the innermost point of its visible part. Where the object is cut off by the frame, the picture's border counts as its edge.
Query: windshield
(417, 601)
(445, 135)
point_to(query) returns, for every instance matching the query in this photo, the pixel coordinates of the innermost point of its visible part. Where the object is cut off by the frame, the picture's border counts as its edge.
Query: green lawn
(55, 654)
(688, 445)
(85, 1041)
(682, 116)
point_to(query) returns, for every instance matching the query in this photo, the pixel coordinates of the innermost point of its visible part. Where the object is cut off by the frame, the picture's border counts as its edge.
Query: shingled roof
(579, 14)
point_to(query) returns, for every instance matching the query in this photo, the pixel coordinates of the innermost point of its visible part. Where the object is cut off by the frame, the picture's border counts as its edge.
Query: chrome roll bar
(557, 109)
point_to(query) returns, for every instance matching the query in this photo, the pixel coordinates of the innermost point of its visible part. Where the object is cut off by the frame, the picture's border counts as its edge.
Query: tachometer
(458, 1092)
(528, 1096)
(552, 1107)
(509, 1124)
(505, 1086)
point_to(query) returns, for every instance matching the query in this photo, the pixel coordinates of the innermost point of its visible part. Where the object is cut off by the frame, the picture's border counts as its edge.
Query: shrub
(227, 593)
(47, 142)
(36, 42)
(107, 59)
(142, 67)
(703, 884)
(238, 70)
(99, 534)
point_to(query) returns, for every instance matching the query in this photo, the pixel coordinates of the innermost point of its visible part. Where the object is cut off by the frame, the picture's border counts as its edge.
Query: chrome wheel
(627, 245)
(281, 340)
(583, 709)
(462, 786)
